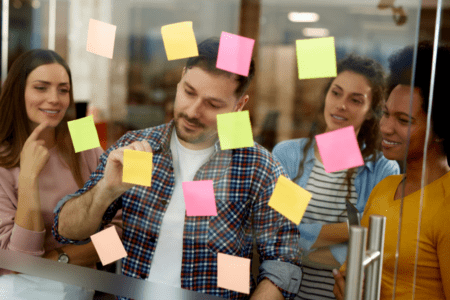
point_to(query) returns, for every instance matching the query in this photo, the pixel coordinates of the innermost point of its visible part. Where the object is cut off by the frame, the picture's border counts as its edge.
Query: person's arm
(81, 255)
(33, 157)
(332, 234)
(266, 290)
(80, 217)
(443, 250)
(277, 240)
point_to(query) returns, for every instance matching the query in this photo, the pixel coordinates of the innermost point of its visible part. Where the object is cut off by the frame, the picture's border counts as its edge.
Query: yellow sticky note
(84, 134)
(316, 58)
(289, 199)
(137, 167)
(234, 130)
(179, 40)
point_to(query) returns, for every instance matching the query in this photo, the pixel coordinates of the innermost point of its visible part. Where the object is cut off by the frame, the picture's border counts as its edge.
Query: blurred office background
(136, 88)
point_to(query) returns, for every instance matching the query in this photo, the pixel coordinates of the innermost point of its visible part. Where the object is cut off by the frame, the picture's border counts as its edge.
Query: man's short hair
(207, 60)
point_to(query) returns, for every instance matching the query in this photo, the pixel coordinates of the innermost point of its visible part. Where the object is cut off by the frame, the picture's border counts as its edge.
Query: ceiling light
(303, 17)
(315, 32)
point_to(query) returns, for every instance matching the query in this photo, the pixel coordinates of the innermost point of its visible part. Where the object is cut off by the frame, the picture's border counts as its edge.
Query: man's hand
(114, 166)
(339, 285)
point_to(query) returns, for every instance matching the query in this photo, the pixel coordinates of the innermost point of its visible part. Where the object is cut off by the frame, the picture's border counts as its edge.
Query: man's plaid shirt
(244, 180)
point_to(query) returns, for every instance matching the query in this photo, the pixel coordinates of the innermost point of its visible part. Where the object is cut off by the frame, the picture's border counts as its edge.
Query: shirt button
(152, 239)
(143, 276)
(163, 202)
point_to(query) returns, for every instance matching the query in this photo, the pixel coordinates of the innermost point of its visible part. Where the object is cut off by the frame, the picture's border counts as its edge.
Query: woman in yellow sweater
(432, 277)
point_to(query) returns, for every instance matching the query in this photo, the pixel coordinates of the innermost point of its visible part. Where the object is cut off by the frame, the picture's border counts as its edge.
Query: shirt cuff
(339, 252)
(58, 237)
(284, 275)
(308, 235)
(27, 241)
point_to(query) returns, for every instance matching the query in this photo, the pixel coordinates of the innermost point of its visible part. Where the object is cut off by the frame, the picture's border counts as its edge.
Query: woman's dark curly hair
(400, 67)
(369, 138)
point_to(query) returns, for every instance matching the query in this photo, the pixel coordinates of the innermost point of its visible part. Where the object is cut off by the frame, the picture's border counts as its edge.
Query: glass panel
(136, 89)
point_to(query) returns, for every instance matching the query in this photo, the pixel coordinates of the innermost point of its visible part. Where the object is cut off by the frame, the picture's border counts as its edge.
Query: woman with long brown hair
(353, 98)
(38, 166)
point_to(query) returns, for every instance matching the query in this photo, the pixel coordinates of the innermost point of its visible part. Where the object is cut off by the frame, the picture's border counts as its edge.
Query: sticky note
(339, 149)
(101, 38)
(290, 199)
(179, 40)
(108, 245)
(316, 58)
(235, 130)
(83, 133)
(235, 53)
(233, 273)
(137, 167)
(199, 198)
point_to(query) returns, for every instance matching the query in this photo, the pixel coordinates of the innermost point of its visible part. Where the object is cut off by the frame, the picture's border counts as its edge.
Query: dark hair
(400, 66)
(369, 135)
(14, 121)
(207, 59)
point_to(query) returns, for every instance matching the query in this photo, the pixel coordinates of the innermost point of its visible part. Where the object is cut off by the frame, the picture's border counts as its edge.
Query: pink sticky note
(199, 198)
(235, 53)
(108, 245)
(339, 149)
(233, 273)
(101, 38)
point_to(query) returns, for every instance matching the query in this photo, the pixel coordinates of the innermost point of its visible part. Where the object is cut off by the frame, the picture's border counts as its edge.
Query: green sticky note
(235, 130)
(83, 133)
(137, 167)
(316, 58)
(289, 199)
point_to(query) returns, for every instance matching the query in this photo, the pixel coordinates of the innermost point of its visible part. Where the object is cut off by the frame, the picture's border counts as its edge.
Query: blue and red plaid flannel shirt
(244, 180)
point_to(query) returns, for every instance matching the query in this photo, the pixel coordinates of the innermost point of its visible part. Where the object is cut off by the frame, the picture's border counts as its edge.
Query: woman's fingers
(339, 286)
(37, 131)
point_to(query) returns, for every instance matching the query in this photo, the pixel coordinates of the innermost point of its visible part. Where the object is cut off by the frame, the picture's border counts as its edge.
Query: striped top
(329, 191)
(327, 205)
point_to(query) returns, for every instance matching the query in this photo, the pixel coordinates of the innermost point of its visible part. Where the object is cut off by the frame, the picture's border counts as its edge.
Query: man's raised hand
(114, 166)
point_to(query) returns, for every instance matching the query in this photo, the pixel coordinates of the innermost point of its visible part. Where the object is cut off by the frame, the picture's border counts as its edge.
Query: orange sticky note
(137, 167)
(233, 273)
(179, 40)
(290, 199)
(101, 38)
(108, 245)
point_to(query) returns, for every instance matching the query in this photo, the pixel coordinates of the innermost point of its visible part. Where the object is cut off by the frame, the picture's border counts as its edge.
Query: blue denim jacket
(290, 153)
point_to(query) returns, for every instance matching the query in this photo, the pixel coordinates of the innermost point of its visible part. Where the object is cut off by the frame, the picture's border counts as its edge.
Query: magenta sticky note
(339, 149)
(199, 198)
(235, 53)
(108, 245)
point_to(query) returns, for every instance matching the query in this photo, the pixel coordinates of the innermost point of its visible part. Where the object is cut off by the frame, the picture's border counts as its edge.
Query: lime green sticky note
(316, 58)
(235, 130)
(137, 167)
(290, 199)
(83, 133)
(179, 40)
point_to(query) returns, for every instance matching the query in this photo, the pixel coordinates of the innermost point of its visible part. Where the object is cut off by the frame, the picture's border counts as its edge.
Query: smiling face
(395, 121)
(200, 97)
(47, 94)
(348, 101)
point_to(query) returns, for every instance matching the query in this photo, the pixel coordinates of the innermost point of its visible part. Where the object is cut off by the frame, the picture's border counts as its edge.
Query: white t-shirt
(166, 263)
